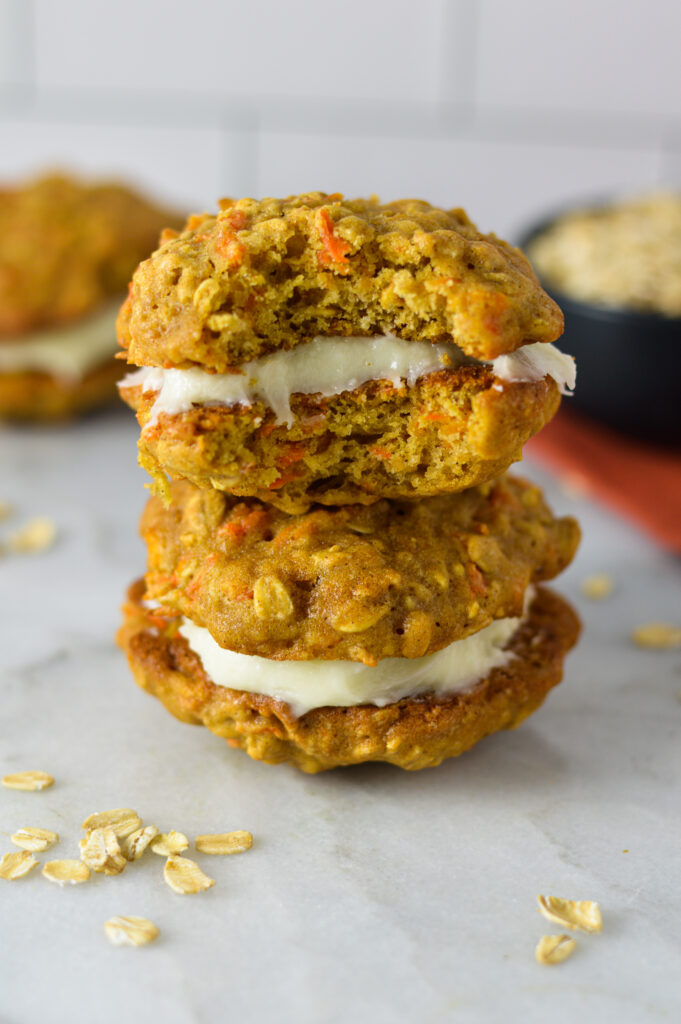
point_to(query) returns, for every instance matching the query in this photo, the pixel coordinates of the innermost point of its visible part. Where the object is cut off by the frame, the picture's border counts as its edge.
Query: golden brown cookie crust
(67, 246)
(392, 579)
(451, 430)
(40, 396)
(412, 733)
(272, 274)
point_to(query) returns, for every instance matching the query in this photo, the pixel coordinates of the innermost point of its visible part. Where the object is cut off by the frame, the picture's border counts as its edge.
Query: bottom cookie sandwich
(402, 632)
(412, 732)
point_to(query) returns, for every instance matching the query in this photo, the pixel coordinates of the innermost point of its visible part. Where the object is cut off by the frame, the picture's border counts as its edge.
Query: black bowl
(628, 363)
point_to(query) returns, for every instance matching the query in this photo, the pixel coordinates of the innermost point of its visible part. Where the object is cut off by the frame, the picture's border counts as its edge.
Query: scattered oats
(16, 865)
(28, 780)
(101, 852)
(185, 876)
(553, 949)
(6, 509)
(123, 821)
(35, 839)
(598, 586)
(133, 846)
(37, 535)
(660, 635)
(585, 915)
(130, 931)
(66, 872)
(168, 843)
(224, 842)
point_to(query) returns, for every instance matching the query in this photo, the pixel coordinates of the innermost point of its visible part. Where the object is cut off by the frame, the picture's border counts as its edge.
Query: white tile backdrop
(508, 108)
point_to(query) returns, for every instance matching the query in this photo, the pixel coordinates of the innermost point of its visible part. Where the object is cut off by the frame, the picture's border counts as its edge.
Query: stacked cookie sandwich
(67, 249)
(329, 393)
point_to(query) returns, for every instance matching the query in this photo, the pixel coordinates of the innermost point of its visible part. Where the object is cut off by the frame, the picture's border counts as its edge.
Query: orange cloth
(641, 482)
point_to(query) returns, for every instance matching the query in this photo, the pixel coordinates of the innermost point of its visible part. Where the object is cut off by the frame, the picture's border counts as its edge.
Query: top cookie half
(276, 273)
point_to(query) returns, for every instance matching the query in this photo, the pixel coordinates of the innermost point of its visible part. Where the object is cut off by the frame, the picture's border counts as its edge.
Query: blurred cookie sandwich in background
(67, 250)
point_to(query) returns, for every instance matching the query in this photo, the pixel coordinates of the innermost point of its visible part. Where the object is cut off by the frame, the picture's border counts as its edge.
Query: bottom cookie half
(412, 733)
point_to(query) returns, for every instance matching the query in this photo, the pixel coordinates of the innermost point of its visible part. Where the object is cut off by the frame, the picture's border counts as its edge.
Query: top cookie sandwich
(67, 249)
(317, 349)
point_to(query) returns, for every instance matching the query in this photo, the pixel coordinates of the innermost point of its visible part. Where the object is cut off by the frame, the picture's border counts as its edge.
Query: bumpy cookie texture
(271, 274)
(392, 579)
(451, 430)
(66, 247)
(412, 733)
(39, 396)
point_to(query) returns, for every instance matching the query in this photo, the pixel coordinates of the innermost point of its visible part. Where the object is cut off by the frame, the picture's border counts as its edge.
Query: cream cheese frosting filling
(305, 685)
(66, 351)
(331, 365)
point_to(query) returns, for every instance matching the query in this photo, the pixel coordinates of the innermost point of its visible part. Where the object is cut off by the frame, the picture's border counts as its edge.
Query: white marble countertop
(370, 894)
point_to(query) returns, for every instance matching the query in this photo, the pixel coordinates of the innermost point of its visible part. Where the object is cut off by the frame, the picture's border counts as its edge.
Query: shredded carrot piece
(285, 478)
(380, 453)
(159, 621)
(167, 235)
(293, 533)
(476, 580)
(334, 249)
(294, 453)
(437, 417)
(495, 309)
(502, 496)
(235, 218)
(229, 247)
(240, 528)
(191, 589)
(195, 220)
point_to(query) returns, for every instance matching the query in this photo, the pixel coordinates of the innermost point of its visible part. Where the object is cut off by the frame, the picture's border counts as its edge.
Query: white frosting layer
(67, 351)
(330, 366)
(534, 362)
(325, 366)
(304, 685)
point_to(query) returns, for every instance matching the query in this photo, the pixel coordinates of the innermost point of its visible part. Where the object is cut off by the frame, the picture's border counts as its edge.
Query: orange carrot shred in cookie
(248, 524)
(294, 453)
(334, 249)
(476, 580)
